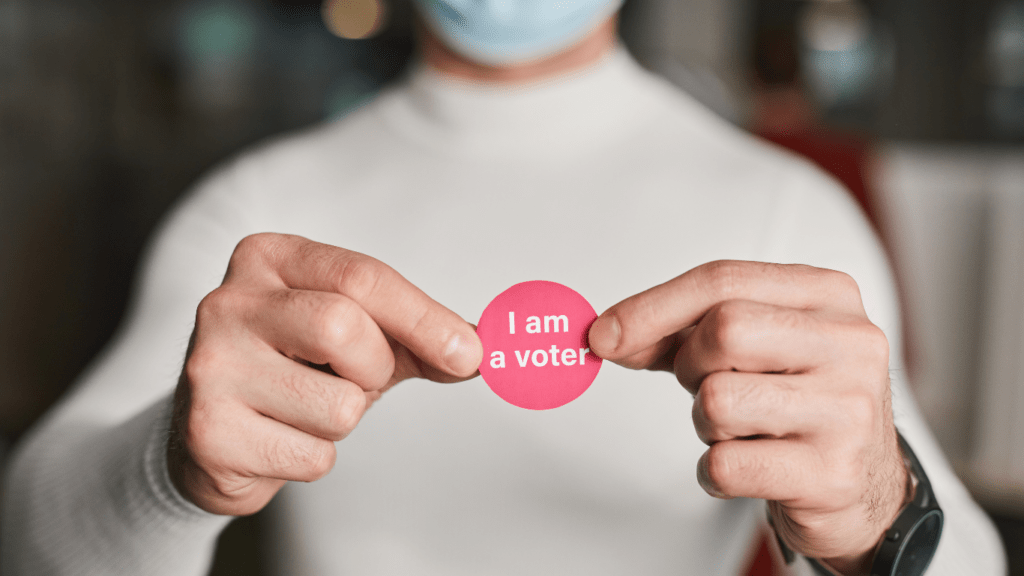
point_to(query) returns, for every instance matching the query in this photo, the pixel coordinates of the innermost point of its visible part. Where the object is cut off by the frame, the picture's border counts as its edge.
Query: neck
(584, 53)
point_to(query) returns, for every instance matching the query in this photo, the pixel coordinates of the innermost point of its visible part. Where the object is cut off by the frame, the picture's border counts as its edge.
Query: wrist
(909, 543)
(897, 493)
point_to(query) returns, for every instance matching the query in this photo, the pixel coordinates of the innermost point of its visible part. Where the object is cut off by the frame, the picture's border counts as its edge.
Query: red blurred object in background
(783, 115)
(843, 156)
(763, 563)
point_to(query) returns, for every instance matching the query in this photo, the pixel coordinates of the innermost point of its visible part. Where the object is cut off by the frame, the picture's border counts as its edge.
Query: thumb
(408, 365)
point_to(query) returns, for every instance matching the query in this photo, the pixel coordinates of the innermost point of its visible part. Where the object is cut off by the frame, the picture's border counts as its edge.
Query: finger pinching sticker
(536, 354)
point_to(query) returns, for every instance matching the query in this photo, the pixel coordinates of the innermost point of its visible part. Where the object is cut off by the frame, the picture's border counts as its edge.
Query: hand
(287, 354)
(791, 394)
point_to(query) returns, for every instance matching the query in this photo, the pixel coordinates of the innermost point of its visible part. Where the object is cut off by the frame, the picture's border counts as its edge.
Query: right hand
(287, 354)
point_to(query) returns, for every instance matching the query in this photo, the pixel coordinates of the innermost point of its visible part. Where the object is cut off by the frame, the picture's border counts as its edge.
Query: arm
(791, 376)
(820, 209)
(287, 354)
(791, 394)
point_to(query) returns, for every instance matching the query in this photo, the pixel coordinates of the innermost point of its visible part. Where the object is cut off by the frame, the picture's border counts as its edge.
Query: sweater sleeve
(819, 224)
(87, 490)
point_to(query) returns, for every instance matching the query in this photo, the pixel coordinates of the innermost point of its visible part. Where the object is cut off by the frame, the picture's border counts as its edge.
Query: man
(527, 146)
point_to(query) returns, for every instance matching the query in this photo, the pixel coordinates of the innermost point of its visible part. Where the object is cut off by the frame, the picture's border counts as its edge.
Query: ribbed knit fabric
(608, 181)
(98, 501)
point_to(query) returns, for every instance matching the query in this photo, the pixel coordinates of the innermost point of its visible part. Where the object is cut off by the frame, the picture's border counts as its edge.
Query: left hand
(791, 388)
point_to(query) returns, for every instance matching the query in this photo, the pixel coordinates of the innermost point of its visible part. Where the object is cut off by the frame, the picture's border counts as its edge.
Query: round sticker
(536, 354)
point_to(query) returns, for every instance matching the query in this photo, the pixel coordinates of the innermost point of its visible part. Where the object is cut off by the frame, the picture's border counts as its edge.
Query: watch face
(919, 546)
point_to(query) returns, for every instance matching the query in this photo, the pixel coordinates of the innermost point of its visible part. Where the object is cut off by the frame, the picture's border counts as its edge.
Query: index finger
(435, 334)
(640, 322)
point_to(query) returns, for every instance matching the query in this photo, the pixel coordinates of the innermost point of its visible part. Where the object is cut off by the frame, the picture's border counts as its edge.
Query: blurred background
(109, 109)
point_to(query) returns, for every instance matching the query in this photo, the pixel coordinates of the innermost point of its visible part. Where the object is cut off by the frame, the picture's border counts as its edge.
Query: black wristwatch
(911, 541)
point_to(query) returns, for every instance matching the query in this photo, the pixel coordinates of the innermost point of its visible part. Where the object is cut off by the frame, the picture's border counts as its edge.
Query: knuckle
(845, 287)
(213, 308)
(716, 397)
(305, 461)
(202, 436)
(789, 319)
(360, 276)
(335, 411)
(337, 325)
(729, 325)
(721, 466)
(381, 370)
(277, 455)
(225, 485)
(876, 344)
(196, 369)
(723, 278)
(345, 411)
(866, 351)
(319, 459)
(253, 248)
(201, 367)
(238, 494)
(348, 410)
(221, 486)
(844, 282)
(295, 387)
(862, 410)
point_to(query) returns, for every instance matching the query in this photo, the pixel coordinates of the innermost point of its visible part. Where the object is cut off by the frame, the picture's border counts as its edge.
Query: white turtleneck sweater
(608, 181)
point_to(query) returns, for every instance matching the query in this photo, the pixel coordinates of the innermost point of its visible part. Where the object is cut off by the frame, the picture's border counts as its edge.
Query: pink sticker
(536, 354)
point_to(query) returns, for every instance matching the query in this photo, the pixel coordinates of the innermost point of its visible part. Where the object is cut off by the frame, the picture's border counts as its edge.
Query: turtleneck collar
(560, 116)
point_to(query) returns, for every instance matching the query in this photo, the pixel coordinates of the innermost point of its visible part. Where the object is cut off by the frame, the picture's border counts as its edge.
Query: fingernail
(604, 335)
(461, 357)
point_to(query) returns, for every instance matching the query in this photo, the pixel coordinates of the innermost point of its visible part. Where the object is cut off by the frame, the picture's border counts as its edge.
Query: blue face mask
(500, 32)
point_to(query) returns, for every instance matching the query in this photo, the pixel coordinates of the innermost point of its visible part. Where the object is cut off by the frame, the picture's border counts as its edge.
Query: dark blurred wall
(108, 111)
(940, 82)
